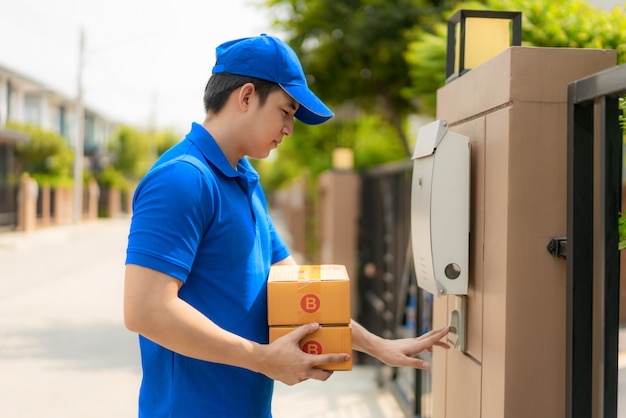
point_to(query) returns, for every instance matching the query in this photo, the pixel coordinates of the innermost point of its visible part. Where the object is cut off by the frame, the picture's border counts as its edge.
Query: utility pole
(79, 143)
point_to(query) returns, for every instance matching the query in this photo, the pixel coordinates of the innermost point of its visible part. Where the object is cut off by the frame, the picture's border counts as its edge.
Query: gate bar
(594, 184)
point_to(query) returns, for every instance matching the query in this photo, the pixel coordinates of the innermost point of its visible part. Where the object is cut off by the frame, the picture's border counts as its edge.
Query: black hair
(221, 85)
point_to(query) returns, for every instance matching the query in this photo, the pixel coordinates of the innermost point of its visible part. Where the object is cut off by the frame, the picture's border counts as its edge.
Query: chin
(259, 156)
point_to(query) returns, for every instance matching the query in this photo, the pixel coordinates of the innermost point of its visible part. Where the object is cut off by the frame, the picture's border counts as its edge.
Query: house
(27, 101)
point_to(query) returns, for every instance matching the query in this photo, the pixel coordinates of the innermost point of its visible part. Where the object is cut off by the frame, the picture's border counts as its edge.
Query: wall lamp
(476, 36)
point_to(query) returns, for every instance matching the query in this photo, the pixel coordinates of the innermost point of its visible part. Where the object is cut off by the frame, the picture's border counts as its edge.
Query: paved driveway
(64, 351)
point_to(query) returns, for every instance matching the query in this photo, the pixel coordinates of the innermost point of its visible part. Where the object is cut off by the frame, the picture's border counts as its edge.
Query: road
(64, 351)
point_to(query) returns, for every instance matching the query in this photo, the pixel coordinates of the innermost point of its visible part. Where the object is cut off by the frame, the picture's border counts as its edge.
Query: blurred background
(92, 92)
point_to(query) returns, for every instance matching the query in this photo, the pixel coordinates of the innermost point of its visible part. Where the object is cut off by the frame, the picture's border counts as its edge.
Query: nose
(287, 128)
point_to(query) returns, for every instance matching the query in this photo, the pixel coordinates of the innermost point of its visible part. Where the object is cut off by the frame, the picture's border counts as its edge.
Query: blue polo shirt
(201, 221)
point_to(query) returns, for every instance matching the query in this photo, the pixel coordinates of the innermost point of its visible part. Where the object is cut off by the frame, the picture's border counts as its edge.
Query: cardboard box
(326, 340)
(299, 295)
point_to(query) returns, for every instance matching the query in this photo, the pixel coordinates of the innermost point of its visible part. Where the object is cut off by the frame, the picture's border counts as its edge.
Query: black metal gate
(8, 187)
(391, 303)
(594, 186)
(8, 206)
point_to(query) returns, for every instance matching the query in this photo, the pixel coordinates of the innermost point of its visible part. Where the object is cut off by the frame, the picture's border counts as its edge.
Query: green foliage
(388, 59)
(622, 116)
(373, 144)
(46, 155)
(570, 23)
(113, 178)
(309, 151)
(545, 23)
(133, 151)
(622, 231)
(352, 50)
(164, 140)
(622, 219)
(427, 67)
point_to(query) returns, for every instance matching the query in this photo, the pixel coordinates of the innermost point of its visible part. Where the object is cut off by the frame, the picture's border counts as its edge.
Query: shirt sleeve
(280, 251)
(172, 207)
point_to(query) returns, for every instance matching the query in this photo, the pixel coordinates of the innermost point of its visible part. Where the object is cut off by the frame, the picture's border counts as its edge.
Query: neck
(225, 139)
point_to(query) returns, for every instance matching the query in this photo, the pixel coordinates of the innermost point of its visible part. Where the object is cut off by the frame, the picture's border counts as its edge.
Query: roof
(8, 136)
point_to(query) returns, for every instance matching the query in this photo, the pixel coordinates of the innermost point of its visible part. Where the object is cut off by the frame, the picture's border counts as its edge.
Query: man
(201, 244)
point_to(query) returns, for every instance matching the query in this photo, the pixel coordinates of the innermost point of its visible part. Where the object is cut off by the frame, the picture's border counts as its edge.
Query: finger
(435, 334)
(319, 374)
(442, 344)
(303, 330)
(424, 365)
(440, 331)
(417, 363)
(322, 359)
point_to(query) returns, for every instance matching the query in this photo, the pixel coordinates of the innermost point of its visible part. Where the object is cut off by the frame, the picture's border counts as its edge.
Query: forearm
(172, 323)
(399, 352)
(363, 340)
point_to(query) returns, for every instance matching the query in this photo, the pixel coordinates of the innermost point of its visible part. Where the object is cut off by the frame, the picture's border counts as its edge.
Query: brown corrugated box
(302, 294)
(326, 340)
(299, 295)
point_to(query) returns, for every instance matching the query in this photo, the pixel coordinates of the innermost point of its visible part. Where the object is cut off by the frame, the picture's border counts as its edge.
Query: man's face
(270, 123)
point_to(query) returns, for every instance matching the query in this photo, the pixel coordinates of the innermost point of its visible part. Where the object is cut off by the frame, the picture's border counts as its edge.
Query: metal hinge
(558, 247)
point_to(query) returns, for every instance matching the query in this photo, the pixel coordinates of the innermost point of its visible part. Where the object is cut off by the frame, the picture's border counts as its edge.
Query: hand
(401, 352)
(286, 362)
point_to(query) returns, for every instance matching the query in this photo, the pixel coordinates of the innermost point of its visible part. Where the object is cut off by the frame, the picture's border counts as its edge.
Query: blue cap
(270, 59)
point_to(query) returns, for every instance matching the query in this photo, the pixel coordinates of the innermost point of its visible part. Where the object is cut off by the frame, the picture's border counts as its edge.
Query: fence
(593, 263)
(391, 303)
(41, 206)
(8, 205)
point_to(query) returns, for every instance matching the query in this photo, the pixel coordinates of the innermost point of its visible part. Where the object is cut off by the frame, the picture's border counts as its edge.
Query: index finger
(435, 334)
(334, 361)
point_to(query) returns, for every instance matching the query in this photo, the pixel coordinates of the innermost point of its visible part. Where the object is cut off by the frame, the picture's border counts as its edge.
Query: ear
(245, 95)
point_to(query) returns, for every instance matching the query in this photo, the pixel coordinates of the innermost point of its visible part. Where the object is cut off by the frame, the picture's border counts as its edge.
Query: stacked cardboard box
(298, 295)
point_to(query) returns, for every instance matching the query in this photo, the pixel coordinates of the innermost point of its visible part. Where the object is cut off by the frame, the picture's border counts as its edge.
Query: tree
(545, 23)
(309, 151)
(164, 140)
(46, 155)
(132, 150)
(353, 50)
(374, 57)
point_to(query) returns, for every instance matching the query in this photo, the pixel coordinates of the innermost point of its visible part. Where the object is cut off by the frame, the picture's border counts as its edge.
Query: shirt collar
(214, 155)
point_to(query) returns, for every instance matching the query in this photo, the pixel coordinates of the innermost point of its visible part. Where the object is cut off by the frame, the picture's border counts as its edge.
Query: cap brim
(312, 110)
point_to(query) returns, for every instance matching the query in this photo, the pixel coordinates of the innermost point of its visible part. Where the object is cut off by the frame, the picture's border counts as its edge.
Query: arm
(289, 260)
(153, 309)
(400, 352)
(396, 353)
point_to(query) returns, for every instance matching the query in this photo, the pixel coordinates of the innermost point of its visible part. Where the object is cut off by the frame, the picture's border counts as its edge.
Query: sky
(146, 62)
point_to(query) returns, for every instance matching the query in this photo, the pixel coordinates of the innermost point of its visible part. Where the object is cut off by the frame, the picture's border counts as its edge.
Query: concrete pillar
(514, 110)
(45, 205)
(338, 216)
(27, 204)
(63, 206)
(291, 204)
(90, 200)
(115, 202)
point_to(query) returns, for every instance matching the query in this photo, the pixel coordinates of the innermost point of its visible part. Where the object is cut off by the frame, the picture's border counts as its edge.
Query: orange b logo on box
(310, 303)
(295, 295)
(312, 347)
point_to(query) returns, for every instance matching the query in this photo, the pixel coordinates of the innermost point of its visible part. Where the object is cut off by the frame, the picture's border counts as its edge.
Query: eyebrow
(293, 104)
